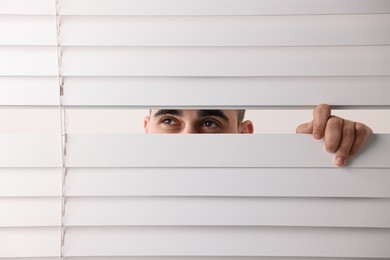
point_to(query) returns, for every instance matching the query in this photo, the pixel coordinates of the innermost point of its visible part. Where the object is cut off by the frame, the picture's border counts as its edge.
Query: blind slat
(30, 242)
(247, 182)
(189, 91)
(26, 7)
(200, 258)
(28, 30)
(32, 91)
(206, 211)
(227, 61)
(226, 91)
(30, 150)
(226, 30)
(228, 241)
(28, 61)
(37, 258)
(221, 7)
(24, 212)
(196, 150)
(30, 182)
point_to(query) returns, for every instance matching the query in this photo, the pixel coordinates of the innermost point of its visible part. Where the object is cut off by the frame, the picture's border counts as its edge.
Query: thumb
(306, 128)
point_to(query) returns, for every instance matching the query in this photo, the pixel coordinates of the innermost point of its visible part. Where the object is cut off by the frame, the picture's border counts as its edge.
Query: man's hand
(342, 137)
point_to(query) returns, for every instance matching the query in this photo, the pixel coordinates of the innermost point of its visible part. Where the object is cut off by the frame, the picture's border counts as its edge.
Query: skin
(342, 137)
(195, 121)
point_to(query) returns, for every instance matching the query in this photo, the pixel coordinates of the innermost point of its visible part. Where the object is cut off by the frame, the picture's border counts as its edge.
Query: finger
(333, 133)
(321, 115)
(362, 133)
(306, 128)
(346, 142)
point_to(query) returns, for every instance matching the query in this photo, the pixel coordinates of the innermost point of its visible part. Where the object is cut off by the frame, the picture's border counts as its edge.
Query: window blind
(133, 196)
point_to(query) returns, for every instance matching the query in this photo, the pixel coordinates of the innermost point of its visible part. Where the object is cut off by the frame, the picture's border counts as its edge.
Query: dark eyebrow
(168, 112)
(217, 113)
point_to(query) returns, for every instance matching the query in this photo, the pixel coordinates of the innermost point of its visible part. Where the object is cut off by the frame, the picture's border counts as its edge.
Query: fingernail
(339, 161)
(317, 135)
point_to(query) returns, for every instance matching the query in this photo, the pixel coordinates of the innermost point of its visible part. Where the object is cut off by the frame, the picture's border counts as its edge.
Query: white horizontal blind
(304, 39)
(30, 173)
(192, 197)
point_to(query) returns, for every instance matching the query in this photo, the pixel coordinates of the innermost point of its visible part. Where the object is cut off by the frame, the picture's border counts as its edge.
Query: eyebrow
(217, 113)
(168, 112)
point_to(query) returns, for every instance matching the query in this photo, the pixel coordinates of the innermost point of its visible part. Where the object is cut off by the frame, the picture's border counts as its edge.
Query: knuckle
(330, 146)
(334, 126)
(317, 129)
(363, 130)
(323, 107)
(343, 151)
(335, 122)
(348, 132)
(332, 143)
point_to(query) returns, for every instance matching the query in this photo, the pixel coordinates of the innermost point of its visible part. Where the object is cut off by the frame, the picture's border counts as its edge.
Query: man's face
(171, 121)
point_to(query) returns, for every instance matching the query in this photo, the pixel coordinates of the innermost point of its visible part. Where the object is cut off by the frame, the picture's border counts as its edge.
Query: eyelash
(212, 121)
(167, 118)
(175, 121)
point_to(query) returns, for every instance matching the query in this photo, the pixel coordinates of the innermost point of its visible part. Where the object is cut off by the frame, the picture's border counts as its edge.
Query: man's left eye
(210, 124)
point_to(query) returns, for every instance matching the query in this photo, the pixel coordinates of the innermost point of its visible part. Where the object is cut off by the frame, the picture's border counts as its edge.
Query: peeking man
(342, 137)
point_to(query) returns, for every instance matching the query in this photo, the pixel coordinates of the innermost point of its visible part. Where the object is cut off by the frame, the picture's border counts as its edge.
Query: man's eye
(210, 124)
(168, 121)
